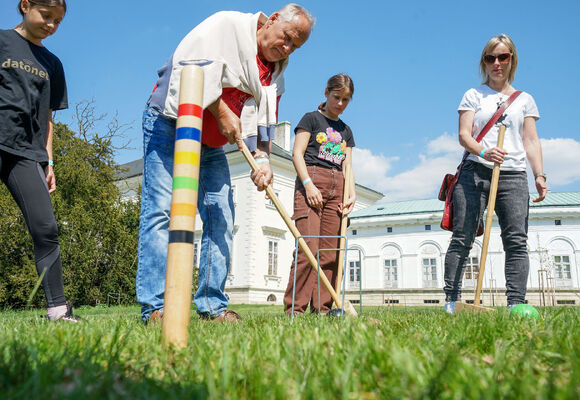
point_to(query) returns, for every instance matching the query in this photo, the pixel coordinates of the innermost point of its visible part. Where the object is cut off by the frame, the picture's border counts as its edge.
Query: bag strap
(498, 114)
(500, 110)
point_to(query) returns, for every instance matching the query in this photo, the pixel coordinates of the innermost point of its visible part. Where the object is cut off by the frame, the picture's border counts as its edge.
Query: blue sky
(411, 63)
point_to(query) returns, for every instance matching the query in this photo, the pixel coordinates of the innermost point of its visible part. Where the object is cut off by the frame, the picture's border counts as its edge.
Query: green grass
(386, 353)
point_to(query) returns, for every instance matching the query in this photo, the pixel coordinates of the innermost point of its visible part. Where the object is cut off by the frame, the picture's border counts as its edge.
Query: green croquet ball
(524, 310)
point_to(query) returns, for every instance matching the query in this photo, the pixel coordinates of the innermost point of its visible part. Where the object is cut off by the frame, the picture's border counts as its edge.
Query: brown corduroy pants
(313, 222)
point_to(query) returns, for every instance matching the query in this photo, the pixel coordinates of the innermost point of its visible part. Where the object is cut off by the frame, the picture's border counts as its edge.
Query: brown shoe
(155, 318)
(226, 316)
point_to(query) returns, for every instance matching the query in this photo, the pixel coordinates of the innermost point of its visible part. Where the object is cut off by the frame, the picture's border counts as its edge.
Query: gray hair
(289, 11)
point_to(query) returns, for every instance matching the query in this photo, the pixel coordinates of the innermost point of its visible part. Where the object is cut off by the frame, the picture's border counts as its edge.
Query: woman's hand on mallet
(495, 155)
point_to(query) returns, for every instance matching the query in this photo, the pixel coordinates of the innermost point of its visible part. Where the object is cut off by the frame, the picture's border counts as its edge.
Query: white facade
(402, 255)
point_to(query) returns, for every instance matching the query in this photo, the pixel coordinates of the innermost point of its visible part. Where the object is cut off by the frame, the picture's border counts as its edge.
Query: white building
(263, 245)
(398, 249)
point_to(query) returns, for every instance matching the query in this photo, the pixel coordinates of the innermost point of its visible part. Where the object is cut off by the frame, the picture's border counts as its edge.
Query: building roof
(399, 208)
(564, 199)
(130, 169)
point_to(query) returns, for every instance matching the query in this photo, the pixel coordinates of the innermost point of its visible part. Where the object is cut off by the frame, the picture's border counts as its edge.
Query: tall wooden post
(179, 275)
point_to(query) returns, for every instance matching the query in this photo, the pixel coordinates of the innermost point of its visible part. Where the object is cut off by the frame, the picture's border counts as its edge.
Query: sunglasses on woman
(502, 58)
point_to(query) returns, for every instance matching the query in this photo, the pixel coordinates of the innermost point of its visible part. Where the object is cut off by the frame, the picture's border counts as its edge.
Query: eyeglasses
(502, 58)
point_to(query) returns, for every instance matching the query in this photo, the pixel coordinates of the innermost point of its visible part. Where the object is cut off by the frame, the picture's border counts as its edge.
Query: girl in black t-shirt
(33, 85)
(323, 146)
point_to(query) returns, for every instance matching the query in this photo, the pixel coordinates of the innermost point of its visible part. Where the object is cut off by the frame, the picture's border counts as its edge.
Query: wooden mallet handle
(343, 226)
(489, 218)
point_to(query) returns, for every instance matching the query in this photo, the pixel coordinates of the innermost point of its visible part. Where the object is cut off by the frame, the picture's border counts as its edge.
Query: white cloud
(441, 155)
(445, 143)
(420, 182)
(561, 161)
(368, 167)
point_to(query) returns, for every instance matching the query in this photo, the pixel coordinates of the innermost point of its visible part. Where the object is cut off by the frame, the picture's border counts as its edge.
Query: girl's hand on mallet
(347, 207)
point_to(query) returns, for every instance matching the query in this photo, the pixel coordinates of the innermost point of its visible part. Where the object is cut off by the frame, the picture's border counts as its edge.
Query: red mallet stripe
(189, 109)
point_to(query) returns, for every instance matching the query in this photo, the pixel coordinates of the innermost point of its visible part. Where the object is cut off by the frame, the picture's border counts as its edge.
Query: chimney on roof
(282, 135)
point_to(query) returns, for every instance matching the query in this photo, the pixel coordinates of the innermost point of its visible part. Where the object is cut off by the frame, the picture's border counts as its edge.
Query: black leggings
(26, 181)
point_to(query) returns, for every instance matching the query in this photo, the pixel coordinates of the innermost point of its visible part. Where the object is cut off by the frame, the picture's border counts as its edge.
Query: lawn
(385, 353)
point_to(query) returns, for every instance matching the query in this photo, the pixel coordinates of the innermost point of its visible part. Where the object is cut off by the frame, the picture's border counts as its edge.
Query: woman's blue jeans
(512, 209)
(215, 207)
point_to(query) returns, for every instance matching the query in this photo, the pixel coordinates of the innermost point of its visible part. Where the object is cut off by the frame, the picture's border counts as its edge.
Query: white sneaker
(449, 307)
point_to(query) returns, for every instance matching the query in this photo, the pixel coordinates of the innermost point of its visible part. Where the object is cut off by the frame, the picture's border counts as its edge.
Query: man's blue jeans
(512, 210)
(215, 207)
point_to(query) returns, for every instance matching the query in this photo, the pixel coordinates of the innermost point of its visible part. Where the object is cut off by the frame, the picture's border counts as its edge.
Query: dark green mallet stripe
(181, 237)
(181, 182)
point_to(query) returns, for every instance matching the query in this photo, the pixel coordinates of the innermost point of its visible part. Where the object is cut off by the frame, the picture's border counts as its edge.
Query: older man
(244, 57)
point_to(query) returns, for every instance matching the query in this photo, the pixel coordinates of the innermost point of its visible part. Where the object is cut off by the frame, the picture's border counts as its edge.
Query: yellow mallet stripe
(186, 157)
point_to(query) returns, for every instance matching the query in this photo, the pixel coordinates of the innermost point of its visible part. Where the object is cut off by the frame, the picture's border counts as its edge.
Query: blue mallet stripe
(188, 133)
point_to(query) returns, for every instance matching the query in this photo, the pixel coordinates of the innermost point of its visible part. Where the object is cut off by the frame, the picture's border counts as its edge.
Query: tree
(97, 230)
(17, 269)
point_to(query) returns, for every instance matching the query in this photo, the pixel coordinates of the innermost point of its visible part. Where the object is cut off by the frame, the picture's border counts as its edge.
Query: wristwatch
(540, 174)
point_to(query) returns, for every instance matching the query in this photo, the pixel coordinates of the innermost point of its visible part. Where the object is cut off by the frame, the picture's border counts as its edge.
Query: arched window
(271, 298)
(430, 256)
(391, 263)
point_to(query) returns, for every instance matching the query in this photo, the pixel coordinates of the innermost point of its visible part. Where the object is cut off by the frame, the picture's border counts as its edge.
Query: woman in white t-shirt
(497, 65)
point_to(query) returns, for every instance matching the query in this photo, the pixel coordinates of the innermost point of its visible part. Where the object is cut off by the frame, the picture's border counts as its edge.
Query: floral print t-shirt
(328, 140)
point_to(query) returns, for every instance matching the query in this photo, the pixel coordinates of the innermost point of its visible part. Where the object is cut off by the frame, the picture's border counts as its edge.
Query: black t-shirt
(31, 83)
(328, 140)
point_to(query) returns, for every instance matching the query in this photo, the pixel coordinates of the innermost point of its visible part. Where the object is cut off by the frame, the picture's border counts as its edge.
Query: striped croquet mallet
(178, 278)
